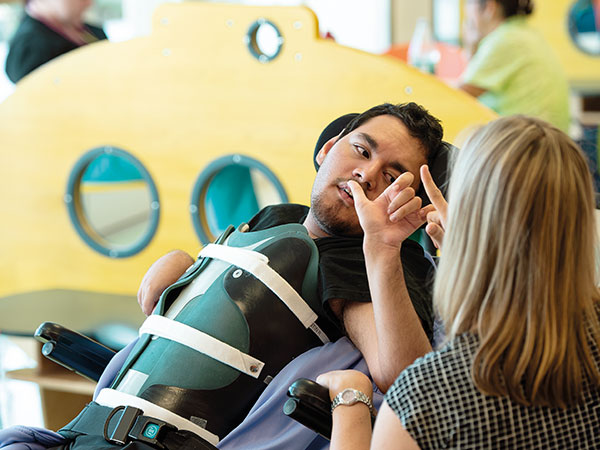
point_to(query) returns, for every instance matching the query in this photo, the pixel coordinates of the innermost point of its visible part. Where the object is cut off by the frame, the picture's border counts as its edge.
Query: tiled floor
(19, 400)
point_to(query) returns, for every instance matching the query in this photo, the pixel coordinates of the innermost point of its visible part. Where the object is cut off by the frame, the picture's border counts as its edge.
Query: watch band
(350, 397)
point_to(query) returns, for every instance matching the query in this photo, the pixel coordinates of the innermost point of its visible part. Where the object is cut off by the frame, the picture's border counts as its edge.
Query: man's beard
(329, 220)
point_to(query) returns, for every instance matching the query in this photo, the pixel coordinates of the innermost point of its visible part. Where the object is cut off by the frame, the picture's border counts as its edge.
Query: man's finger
(403, 197)
(433, 192)
(357, 192)
(410, 207)
(399, 184)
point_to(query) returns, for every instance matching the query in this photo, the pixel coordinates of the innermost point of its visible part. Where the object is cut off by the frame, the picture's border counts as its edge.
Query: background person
(516, 289)
(48, 29)
(512, 69)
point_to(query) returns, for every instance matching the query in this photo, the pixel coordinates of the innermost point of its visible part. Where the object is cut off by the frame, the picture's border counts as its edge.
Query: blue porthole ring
(72, 201)
(201, 184)
(253, 45)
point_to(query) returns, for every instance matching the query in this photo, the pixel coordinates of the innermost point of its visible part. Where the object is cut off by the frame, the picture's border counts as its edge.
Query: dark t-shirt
(342, 271)
(34, 44)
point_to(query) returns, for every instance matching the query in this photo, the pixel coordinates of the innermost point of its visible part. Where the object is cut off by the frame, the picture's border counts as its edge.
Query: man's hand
(163, 273)
(387, 331)
(393, 216)
(436, 219)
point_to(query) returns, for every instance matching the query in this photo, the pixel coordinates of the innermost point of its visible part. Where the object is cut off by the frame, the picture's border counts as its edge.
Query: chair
(73, 350)
(310, 403)
(88, 357)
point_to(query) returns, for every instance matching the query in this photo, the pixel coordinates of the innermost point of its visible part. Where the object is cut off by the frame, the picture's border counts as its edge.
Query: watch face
(348, 396)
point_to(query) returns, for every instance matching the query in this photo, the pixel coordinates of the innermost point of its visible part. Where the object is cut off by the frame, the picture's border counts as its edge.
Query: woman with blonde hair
(517, 292)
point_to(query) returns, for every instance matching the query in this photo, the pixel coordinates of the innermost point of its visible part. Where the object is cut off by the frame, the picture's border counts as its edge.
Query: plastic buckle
(150, 430)
(120, 434)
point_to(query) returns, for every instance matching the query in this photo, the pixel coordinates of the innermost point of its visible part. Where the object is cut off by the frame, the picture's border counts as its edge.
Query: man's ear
(325, 149)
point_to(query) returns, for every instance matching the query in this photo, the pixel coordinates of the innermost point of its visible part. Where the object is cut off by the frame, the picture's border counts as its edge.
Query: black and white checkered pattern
(440, 407)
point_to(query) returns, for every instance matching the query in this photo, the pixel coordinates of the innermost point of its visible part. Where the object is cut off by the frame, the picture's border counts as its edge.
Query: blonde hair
(517, 266)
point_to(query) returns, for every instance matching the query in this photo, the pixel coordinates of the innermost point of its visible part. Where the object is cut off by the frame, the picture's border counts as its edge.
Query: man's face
(374, 155)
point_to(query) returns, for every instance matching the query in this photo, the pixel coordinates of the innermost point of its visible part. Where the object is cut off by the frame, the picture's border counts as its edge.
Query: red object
(452, 59)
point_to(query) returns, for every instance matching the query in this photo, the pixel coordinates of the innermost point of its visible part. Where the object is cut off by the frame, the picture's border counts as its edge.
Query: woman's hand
(436, 219)
(338, 380)
(351, 424)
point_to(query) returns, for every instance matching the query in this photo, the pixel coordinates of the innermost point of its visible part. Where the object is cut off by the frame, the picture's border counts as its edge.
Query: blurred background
(63, 168)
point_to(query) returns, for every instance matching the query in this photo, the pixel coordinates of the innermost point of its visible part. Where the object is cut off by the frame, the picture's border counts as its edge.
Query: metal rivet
(238, 273)
(237, 159)
(68, 198)
(253, 368)
(164, 21)
(166, 52)
(113, 253)
(56, 81)
(193, 209)
(154, 205)
(408, 90)
(297, 24)
(298, 56)
(229, 23)
(108, 150)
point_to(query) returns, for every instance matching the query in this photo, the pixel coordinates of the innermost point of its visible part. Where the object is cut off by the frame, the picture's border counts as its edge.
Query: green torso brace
(228, 295)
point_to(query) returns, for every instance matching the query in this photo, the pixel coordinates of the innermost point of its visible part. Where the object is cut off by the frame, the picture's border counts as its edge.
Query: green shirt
(520, 73)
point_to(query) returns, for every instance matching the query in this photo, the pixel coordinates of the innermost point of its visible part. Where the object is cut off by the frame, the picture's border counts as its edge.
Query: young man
(375, 149)
(380, 150)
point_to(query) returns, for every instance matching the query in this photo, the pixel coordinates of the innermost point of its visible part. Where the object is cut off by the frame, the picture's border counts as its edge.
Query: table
(64, 393)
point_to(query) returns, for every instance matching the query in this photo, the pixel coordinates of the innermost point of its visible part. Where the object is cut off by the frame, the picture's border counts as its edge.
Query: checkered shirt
(440, 407)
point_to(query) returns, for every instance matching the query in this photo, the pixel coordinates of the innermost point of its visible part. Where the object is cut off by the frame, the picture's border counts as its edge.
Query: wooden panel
(178, 99)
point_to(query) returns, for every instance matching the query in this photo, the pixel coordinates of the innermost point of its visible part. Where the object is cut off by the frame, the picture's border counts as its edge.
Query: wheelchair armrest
(73, 350)
(310, 405)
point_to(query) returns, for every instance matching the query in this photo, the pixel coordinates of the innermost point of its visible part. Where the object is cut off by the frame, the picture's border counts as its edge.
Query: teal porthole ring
(250, 40)
(71, 199)
(206, 176)
(573, 31)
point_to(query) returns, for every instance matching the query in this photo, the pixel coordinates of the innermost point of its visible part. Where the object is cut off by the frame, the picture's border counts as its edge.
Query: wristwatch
(350, 397)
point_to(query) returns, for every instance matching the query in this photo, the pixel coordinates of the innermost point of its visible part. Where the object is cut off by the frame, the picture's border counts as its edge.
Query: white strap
(257, 264)
(201, 342)
(112, 399)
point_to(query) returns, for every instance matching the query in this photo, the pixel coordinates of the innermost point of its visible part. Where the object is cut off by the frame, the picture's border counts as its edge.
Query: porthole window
(584, 20)
(229, 191)
(112, 202)
(264, 40)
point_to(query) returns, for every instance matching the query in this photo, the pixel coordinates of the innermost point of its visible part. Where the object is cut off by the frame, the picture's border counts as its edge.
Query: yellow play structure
(130, 129)
(551, 18)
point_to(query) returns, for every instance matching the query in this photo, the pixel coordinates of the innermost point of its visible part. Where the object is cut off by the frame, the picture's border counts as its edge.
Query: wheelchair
(309, 403)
